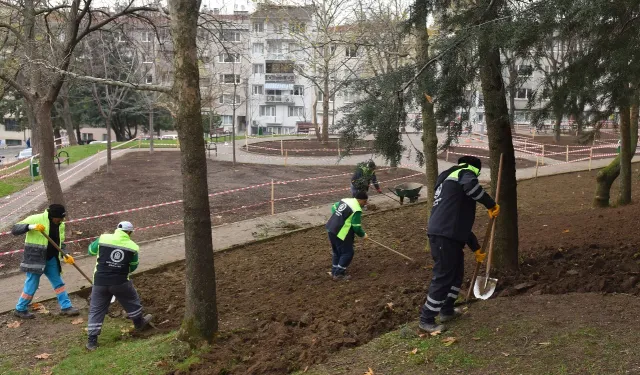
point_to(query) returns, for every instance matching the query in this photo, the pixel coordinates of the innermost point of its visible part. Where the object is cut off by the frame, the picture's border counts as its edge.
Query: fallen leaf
(422, 335)
(414, 351)
(305, 369)
(544, 343)
(77, 232)
(77, 321)
(14, 324)
(448, 341)
(435, 333)
(390, 306)
(505, 354)
(37, 306)
(475, 338)
(43, 356)
(370, 372)
(125, 330)
(565, 231)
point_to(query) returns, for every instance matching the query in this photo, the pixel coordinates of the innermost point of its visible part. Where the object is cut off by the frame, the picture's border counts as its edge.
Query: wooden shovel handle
(64, 254)
(493, 221)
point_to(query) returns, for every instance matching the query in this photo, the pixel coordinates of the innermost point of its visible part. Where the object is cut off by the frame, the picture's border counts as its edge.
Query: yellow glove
(68, 259)
(39, 228)
(480, 255)
(494, 212)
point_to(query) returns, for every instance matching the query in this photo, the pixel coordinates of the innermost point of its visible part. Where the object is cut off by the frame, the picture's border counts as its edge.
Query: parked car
(25, 154)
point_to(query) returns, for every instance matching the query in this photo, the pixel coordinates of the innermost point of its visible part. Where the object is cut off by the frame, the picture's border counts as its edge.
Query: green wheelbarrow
(409, 190)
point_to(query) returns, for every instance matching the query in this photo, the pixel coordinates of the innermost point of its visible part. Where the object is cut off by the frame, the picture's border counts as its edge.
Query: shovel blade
(482, 292)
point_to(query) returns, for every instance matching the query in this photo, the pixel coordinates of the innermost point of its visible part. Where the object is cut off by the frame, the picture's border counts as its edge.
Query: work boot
(457, 312)
(23, 314)
(432, 327)
(92, 343)
(142, 323)
(341, 277)
(70, 311)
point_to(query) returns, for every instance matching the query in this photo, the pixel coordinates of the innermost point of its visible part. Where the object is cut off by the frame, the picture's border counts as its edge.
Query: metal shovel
(484, 287)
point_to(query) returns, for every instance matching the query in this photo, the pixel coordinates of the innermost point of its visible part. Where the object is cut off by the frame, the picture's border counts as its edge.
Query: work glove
(366, 236)
(38, 227)
(68, 259)
(494, 211)
(480, 255)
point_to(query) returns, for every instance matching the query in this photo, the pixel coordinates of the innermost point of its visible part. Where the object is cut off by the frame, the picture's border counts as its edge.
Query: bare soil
(311, 147)
(142, 179)
(280, 311)
(577, 151)
(457, 152)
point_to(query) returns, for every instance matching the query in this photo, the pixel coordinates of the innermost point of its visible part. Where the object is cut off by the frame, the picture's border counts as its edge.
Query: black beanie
(57, 211)
(471, 160)
(362, 195)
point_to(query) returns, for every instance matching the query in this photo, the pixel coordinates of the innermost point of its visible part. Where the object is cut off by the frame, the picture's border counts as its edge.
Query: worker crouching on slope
(362, 178)
(117, 257)
(41, 257)
(454, 210)
(344, 223)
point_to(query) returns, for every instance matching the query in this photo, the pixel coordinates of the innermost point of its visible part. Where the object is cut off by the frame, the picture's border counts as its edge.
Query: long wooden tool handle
(390, 249)
(493, 224)
(65, 255)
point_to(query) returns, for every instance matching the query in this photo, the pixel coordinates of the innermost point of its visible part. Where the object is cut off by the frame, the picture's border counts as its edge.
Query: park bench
(59, 159)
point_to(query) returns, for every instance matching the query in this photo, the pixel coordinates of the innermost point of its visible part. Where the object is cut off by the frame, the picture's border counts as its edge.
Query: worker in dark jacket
(41, 257)
(364, 175)
(343, 225)
(454, 210)
(117, 257)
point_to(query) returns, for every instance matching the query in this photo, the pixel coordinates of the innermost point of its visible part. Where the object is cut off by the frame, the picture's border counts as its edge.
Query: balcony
(287, 99)
(279, 56)
(271, 120)
(280, 77)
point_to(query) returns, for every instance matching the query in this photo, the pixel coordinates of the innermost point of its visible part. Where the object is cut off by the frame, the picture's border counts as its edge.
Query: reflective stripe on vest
(355, 207)
(34, 237)
(455, 174)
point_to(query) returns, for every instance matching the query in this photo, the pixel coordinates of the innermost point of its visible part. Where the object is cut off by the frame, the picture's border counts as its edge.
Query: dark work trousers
(342, 255)
(125, 293)
(448, 271)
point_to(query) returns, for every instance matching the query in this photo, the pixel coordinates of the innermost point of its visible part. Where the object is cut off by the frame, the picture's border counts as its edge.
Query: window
(146, 59)
(147, 36)
(104, 137)
(258, 89)
(349, 96)
(321, 97)
(274, 47)
(258, 48)
(87, 136)
(267, 110)
(258, 27)
(229, 58)
(230, 35)
(227, 120)
(277, 28)
(258, 68)
(11, 125)
(148, 79)
(525, 70)
(228, 99)
(296, 111)
(298, 90)
(297, 27)
(351, 51)
(13, 142)
(121, 37)
(229, 78)
(524, 94)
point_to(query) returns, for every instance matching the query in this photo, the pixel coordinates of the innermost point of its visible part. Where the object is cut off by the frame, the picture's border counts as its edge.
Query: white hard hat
(125, 226)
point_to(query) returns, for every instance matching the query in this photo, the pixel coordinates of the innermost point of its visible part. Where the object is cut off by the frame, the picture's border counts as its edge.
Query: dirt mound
(577, 269)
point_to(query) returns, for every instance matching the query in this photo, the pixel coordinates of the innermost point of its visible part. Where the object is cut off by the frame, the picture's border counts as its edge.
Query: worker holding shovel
(343, 225)
(41, 256)
(117, 257)
(454, 211)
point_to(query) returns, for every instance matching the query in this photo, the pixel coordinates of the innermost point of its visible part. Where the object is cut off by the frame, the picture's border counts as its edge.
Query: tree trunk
(556, 128)
(314, 110)
(66, 116)
(505, 252)
(513, 76)
(33, 126)
(47, 151)
(624, 196)
(151, 129)
(201, 314)
(108, 122)
(607, 175)
(233, 122)
(325, 112)
(429, 127)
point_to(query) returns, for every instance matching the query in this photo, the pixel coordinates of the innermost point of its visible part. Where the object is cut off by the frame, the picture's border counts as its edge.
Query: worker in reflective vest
(343, 225)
